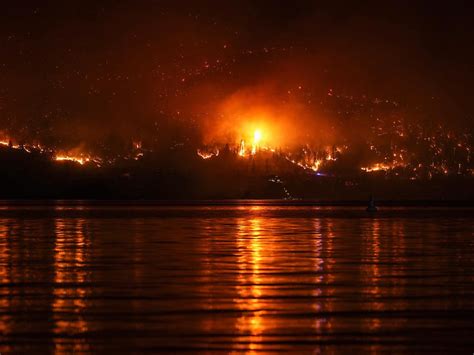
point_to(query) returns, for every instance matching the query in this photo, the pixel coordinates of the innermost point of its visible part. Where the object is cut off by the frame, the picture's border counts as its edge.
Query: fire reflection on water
(251, 324)
(269, 301)
(373, 272)
(5, 276)
(70, 294)
(240, 279)
(320, 276)
(382, 273)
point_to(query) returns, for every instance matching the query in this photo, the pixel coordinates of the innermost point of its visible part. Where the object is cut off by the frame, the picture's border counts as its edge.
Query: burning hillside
(376, 139)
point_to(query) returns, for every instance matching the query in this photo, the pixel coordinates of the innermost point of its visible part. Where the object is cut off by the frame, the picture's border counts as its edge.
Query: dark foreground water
(235, 278)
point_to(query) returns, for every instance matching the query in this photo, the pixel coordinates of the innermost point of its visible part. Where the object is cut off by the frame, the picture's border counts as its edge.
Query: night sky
(81, 72)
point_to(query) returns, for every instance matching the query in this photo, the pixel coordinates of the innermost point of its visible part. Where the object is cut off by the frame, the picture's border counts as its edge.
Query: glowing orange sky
(281, 122)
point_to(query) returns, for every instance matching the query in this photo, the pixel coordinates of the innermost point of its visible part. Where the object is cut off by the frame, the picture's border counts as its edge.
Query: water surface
(85, 278)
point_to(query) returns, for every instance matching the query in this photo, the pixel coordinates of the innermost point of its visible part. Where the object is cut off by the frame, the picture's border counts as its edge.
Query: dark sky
(78, 71)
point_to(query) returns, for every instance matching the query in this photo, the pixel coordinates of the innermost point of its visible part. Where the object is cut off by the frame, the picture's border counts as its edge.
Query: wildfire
(77, 159)
(260, 142)
(383, 167)
(257, 136)
(77, 156)
(29, 148)
(207, 154)
(242, 148)
(8, 143)
(413, 153)
(376, 167)
(314, 166)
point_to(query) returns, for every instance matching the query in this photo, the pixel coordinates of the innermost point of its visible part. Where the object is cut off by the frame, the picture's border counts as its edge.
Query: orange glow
(256, 139)
(262, 117)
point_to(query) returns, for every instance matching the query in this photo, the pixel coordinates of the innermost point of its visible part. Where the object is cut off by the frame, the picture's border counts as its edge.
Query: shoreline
(236, 202)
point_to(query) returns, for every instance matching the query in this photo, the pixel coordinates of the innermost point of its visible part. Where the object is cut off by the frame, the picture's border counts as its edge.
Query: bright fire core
(257, 136)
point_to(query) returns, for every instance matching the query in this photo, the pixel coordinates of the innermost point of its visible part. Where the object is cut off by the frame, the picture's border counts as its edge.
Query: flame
(375, 167)
(382, 167)
(77, 159)
(138, 156)
(257, 136)
(242, 148)
(7, 142)
(206, 154)
(331, 157)
(314, 166)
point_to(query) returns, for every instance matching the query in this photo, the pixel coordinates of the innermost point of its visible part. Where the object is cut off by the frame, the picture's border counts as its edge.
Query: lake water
(94, 278)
